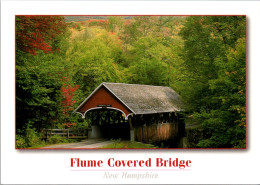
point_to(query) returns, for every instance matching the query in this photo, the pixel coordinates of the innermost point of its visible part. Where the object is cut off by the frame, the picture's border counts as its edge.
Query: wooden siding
(156, 132)
(103, 97)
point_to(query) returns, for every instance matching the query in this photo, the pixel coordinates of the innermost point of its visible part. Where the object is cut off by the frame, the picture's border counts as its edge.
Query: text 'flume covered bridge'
(154, 107)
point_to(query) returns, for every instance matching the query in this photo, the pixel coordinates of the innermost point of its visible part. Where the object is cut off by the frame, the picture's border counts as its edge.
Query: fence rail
(67, 133)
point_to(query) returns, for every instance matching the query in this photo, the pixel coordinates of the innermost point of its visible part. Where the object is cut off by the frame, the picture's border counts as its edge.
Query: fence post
(68, 133)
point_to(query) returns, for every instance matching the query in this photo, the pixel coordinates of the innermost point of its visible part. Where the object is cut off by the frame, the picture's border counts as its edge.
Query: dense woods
(60, 60)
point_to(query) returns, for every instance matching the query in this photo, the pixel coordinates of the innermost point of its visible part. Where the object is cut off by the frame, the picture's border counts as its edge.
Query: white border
(111, 108)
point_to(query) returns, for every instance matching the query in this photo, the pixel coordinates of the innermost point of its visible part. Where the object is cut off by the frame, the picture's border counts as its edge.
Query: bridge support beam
(132, 134)
(132, 130)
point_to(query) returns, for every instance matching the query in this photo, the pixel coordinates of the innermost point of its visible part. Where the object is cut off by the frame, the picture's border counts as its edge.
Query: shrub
(20, 142)
(82, 125)
(28, 138)
(194, 135)
(54, 139)
(32, 137)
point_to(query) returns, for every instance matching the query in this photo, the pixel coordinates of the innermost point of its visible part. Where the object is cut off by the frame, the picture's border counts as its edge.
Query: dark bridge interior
(111, 123)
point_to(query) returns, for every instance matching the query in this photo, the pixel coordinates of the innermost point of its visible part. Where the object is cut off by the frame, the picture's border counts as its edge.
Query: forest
(60, 60)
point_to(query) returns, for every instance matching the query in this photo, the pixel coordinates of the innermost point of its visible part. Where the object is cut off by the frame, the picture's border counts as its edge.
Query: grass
(128, 144)
(43, 144)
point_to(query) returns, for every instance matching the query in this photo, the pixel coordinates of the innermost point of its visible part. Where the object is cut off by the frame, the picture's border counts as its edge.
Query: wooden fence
(67, 133)
(156, 132)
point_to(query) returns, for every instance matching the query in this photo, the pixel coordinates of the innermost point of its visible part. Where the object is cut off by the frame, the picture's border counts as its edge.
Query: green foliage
(37, 87)
(95, 60)
(78, 27)
(150, 58)
(194, 135)
(115, 23)
(39, 71)
(214, 81)
(20, 142)
(28, 138)
(82, 124)
(150, 72)
(87, 33)
(32, 137)
(54, 139)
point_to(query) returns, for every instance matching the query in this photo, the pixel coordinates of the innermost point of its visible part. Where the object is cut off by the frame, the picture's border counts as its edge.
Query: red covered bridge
(138, 112)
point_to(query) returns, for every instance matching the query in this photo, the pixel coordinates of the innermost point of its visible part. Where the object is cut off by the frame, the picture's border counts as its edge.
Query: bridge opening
(108, 124)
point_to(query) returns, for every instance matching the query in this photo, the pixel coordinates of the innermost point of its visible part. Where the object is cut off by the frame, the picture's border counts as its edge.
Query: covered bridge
(138, 112)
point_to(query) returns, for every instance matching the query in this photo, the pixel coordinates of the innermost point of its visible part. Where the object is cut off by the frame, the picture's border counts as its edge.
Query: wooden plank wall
(156, 132)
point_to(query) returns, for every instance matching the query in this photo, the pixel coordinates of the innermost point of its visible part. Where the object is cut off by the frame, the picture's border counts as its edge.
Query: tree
(115, 23)
(94, 60)
(37, 90)
(151, 45)
(214, 67)
(39, 33)
(149, 63)
(40, 42)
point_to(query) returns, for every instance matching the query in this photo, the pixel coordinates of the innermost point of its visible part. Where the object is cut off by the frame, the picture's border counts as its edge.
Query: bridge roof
(140, 99)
